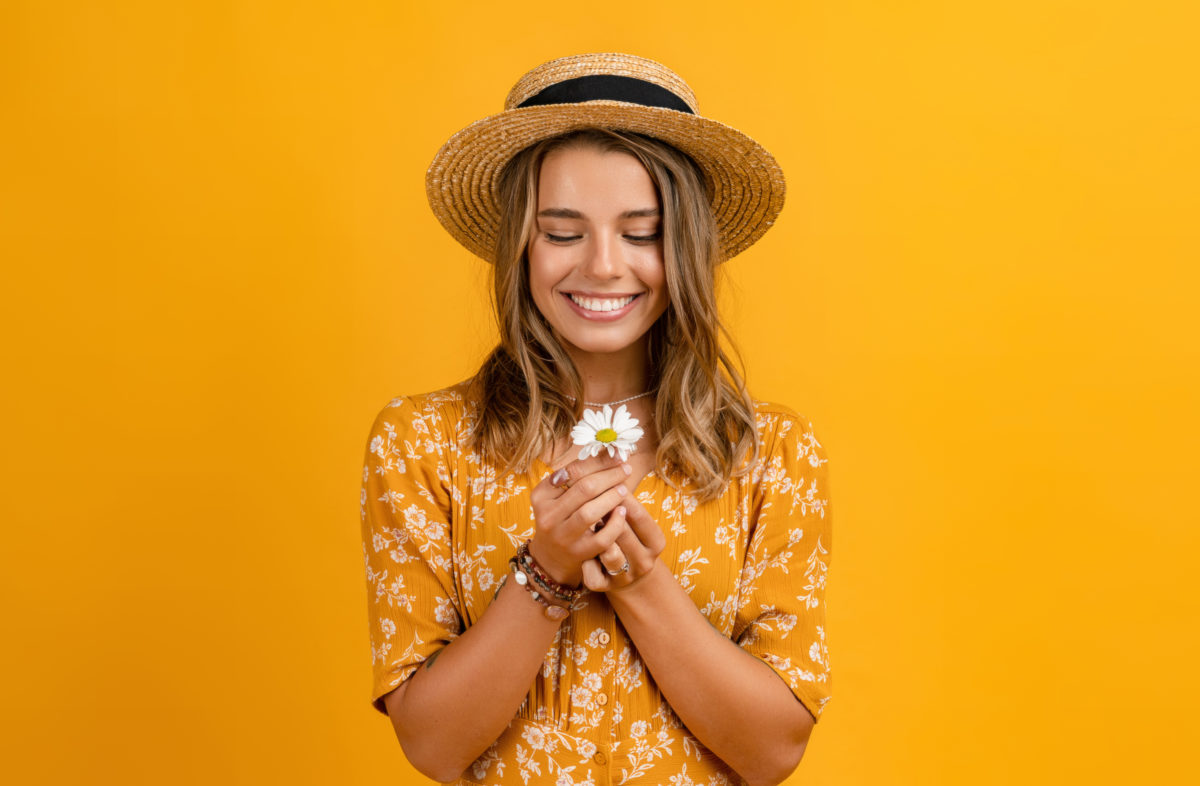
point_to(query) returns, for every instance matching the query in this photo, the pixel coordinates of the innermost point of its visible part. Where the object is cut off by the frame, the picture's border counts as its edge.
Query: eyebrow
(566, 212)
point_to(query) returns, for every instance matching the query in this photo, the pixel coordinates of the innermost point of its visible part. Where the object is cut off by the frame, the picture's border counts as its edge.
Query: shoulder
(442, 416)
(783, 431)
(791, 472)
(776, 421)
(447, 399)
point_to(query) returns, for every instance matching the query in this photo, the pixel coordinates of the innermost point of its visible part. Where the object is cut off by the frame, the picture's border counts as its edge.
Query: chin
(596, 345)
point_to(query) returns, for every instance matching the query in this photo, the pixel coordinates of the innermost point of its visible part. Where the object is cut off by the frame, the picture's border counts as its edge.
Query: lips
(601, 308)
(600, 304)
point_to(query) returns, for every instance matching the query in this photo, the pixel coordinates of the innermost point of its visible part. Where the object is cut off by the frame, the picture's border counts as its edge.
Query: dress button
(600, 758)
(604, 637)
(602, 699)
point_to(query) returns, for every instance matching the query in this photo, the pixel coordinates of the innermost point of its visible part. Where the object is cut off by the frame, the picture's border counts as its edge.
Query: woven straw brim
(746, 185)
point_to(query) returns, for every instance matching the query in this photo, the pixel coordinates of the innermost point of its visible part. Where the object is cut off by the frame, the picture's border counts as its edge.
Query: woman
(542, 614)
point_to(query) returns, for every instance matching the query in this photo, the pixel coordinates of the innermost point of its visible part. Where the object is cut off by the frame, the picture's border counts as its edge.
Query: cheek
(654, 275)
(541, 283)
(662, 297)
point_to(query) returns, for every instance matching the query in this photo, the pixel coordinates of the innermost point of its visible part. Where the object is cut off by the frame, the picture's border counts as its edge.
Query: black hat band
(607, 87)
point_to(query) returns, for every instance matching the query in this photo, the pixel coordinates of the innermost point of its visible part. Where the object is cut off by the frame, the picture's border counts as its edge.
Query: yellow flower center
(606, 435)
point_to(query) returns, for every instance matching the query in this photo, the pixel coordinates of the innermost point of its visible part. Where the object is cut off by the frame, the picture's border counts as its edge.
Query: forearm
(460, 701)
(735, 704)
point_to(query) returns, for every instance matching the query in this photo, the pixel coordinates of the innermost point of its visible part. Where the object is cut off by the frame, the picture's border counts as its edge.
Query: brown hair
(528, 388)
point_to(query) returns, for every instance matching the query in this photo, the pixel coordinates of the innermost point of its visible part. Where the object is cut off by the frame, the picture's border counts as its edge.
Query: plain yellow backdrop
(218, 265)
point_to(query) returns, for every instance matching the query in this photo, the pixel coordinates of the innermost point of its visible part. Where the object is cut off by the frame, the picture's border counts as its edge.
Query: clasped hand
(591, 529)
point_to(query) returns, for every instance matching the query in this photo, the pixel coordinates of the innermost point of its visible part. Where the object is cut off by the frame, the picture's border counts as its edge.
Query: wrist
(554, 606)
(565, 575)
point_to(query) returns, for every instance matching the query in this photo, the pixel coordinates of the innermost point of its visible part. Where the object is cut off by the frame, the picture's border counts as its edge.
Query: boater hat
(621, 92)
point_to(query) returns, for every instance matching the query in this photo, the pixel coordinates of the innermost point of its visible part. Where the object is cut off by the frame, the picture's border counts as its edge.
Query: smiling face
(596, 253)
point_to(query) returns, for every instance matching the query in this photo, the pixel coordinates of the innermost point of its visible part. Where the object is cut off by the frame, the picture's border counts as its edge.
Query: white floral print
(439, 525)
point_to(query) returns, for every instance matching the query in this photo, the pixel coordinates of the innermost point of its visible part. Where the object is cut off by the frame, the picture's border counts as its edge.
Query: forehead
(594, 182)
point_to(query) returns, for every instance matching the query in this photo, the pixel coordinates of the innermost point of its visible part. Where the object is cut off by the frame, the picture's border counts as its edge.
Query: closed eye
(644, 238)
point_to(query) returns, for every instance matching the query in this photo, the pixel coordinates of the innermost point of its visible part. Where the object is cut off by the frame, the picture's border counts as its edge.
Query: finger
(613, 560)
(644, 527)
(554, 486)
(581, 468)
(606, 536)
(589, 513)
(591, 486)
(628, 542)
(559, 483)
(634, 550)
(594, 577)
(560, 479)
(572, 471)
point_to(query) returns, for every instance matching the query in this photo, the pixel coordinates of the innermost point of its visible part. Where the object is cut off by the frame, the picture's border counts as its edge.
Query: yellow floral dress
(439, 525)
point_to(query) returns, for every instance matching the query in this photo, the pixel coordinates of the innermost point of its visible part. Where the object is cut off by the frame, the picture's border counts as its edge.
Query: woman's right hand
(564, 538)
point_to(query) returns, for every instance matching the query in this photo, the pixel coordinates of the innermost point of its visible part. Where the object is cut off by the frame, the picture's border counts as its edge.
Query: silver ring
(624, 568)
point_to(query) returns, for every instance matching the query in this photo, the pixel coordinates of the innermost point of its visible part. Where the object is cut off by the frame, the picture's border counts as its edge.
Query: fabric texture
(439, 525)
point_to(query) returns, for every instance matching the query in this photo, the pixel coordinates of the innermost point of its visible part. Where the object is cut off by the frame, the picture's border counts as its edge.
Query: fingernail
(628, 469)
(621, 510)
(622, 490)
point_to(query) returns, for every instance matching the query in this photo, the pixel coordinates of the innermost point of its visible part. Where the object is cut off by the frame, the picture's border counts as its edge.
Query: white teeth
(602, 304)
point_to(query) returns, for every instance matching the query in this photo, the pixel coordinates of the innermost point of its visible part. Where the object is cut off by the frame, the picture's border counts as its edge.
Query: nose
(603, 260)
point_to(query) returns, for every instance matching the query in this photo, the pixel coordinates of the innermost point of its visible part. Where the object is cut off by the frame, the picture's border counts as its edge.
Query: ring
(559, 479)
(624, 568)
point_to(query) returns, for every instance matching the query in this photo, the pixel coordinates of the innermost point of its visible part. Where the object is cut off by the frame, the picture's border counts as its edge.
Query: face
(595, 258)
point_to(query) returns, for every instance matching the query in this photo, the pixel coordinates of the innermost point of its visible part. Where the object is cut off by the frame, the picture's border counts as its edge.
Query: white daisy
(605, 430)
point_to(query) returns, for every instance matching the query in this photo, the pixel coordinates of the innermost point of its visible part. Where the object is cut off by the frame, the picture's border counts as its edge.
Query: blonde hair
(529, 390)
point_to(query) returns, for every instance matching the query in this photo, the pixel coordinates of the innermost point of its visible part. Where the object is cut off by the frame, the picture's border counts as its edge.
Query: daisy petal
(620, 432)
(623, 420)
(594, 419)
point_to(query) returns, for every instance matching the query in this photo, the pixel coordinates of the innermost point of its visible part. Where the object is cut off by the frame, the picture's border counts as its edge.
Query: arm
(460, 701)
(734, 703)
(465, 694)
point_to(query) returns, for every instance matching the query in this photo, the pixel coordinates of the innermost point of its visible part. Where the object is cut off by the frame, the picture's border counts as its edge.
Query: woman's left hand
(634, 554)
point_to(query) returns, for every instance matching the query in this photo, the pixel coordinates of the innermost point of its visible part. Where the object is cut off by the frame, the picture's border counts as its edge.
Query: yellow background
(218, 265)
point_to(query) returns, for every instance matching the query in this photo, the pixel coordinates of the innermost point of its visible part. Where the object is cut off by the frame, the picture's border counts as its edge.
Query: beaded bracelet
(530, 566)
(549, 590)
(551, 610)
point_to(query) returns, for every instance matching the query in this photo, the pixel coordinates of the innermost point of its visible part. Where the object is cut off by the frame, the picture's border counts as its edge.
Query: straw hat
(607, 90)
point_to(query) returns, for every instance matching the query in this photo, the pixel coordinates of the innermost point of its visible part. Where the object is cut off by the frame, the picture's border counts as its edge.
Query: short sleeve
(412, 604)
(781, 596)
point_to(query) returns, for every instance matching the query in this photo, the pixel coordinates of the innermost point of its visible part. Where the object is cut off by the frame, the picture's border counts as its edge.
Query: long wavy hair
(529, 390)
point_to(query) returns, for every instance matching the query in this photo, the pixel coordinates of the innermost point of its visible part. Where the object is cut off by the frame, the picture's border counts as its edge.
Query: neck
(613, 375)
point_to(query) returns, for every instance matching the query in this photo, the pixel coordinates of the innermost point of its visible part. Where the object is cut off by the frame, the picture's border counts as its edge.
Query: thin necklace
(614, 403)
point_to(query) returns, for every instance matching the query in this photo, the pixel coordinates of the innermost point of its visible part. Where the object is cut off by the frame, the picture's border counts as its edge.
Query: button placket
(602, 757)
(604, 638)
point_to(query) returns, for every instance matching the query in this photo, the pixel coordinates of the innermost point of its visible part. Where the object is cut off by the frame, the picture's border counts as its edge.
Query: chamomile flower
(617, 432)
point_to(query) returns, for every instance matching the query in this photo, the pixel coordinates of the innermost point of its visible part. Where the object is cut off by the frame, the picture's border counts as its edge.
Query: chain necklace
(614, 403)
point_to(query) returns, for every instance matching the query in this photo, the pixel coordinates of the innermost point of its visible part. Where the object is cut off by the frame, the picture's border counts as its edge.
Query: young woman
(542, 614)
